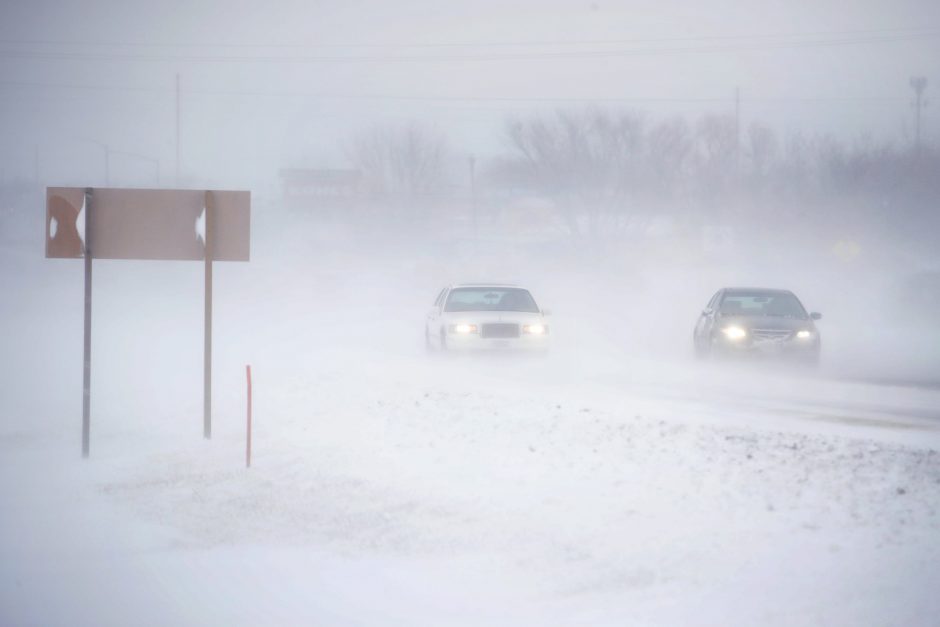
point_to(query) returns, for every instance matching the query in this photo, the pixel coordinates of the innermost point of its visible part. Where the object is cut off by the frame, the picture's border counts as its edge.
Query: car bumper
(473, 342)
(788, 349)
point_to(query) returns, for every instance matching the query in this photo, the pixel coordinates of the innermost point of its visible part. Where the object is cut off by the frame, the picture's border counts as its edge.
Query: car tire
(811, 363)
(427, 339)
(702, 349)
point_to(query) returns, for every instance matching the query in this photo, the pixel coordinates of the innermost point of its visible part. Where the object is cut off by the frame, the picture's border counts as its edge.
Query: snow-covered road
(598, 486)
(463, 492)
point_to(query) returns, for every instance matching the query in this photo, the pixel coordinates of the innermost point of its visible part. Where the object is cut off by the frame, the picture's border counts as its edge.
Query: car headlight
(535, 329)
(804, 334)
(734, 333)
(463, 328)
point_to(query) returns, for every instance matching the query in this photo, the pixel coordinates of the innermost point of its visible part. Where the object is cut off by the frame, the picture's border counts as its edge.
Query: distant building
(320, 189)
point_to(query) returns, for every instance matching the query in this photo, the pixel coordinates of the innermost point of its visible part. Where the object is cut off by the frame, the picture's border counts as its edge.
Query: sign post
(248, 434)
(156, 224)
(207, 335)
(86, 374)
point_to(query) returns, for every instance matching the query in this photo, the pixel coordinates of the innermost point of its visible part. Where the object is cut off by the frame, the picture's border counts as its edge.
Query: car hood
(768, 322)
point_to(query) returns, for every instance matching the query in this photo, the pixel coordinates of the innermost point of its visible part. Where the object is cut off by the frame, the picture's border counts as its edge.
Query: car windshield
(780, 304)
(490, 299)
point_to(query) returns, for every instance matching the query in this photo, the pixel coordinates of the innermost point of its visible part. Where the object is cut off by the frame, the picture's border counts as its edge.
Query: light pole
(176, 180)
(473, 197)
(918, 84)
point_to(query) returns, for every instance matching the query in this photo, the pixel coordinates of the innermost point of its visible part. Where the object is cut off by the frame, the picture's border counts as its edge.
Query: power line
(432, 98)
(906, 31)
(492, 56)
(80, 86)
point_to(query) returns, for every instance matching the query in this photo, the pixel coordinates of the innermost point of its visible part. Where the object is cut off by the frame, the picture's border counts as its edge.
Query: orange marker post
(248, 442)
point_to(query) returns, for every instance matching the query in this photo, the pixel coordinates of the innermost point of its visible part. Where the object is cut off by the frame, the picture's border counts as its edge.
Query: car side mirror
(816, 315)
(546, 312)
(707, 311)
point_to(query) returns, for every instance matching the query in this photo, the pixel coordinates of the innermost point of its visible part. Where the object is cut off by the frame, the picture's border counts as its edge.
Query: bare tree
(716, 154)
(792, 177)
(761, 150)
(587, 161)
(668, 158)
(717, 139)
(403, 167)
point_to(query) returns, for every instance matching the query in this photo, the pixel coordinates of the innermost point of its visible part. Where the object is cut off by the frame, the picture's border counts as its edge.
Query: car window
(713, 303)
(490, 299)
(779, 304)
(440, 297)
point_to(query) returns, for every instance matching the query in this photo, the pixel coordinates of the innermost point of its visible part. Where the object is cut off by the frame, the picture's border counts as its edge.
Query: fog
(622, 161)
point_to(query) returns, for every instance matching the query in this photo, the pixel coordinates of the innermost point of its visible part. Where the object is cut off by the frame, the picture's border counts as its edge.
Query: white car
(482, 316)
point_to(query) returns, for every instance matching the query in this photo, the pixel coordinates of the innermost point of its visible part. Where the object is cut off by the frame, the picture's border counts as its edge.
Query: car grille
(770, 334)
(499, 329)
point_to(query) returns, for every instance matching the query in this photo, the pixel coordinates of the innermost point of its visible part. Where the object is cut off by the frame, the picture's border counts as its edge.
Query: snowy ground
(599, 486)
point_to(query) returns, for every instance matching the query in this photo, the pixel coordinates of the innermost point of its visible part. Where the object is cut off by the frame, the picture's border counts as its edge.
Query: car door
(706, 320)
(433, 323)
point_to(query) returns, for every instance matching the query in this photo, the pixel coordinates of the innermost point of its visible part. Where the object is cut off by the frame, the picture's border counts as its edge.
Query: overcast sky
(269, 85)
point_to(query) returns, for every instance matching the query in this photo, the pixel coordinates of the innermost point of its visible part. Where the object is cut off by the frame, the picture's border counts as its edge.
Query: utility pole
(473, 196)
(918, 84)
(737, 131)
(177, 181)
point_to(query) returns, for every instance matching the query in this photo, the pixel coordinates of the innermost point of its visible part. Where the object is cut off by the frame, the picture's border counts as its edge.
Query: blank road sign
(149, 223)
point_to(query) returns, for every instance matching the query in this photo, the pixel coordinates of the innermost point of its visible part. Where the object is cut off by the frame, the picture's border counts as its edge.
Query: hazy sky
(267, 85)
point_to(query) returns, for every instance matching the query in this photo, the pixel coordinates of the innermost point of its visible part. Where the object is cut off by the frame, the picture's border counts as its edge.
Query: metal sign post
(155, 224)
(248, 429)
(86, 375)
(207, 335)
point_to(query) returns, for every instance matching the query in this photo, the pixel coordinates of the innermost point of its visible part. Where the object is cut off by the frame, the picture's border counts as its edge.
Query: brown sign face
(63, 206)
(148, 224)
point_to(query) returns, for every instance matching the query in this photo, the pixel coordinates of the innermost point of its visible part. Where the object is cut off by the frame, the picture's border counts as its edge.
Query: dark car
(757, 322)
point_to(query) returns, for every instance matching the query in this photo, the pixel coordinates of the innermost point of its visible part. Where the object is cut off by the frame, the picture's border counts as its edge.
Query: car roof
(452, 286)
(754, 290)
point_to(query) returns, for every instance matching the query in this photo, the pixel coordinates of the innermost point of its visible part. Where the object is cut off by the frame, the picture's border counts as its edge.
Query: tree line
(610, 173)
